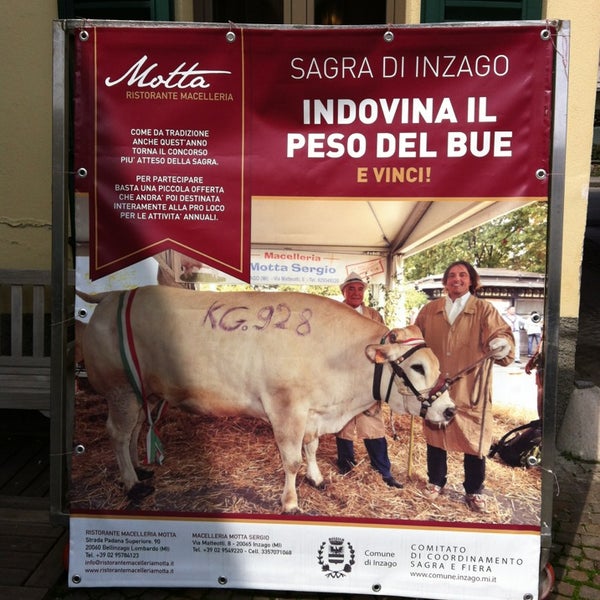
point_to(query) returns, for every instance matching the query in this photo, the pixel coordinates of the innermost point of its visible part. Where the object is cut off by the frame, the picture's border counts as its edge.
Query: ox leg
(134, 449)
(313, 473)
(288, 430)
(125, 418)
(291, 457)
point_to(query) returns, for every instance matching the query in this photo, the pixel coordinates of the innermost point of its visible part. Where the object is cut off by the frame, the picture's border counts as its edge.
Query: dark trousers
(345, 455)
(437, 469)
(377, 450)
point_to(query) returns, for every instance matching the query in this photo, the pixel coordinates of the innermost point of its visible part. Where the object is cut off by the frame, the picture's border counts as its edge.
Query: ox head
(419, 381)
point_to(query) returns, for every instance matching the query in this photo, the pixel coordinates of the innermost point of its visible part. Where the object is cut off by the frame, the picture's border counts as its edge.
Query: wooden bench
(25, 309)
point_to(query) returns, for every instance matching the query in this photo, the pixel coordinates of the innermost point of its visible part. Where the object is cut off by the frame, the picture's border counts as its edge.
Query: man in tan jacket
(368, 425)
(461, 329)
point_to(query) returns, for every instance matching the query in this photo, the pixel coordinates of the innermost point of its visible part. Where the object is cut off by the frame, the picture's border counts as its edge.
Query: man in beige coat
(368, 425)
(461, 329)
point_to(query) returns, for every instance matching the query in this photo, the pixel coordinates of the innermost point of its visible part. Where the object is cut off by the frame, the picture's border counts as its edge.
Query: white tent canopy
(390, 227)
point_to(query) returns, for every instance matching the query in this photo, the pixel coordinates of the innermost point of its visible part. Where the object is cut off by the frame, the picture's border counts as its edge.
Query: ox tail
(92, 298)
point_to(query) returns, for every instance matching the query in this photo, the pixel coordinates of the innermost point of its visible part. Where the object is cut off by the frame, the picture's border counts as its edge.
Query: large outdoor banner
(179, 133)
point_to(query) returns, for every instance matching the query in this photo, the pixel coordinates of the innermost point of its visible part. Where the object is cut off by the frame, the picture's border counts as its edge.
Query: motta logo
(143, 74)
(336, 557)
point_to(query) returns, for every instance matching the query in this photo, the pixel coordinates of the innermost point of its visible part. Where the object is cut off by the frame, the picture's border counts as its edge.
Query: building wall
(26, 133)
(583, 70)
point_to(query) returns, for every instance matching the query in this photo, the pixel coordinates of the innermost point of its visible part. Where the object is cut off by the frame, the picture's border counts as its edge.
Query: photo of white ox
(304, 363)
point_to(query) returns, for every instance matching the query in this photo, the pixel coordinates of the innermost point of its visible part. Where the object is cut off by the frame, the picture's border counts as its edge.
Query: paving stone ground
(576, 530)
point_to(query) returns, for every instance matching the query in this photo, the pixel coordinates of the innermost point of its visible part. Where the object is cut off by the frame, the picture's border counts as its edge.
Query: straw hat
(352, 278)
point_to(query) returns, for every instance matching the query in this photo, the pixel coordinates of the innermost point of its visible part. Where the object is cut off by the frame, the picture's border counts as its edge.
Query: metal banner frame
(63, 252)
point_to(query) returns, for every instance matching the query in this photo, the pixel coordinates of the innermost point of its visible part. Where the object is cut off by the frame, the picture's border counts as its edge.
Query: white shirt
(453, 309)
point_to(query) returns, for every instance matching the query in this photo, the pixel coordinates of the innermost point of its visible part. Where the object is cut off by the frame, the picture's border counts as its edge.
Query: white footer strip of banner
(458, 562)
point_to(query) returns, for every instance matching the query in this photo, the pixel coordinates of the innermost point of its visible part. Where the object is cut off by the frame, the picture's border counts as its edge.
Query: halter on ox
(426, 398)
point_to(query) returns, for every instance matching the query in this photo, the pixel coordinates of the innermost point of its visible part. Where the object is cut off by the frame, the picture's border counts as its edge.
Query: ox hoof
(143, 474)
(319, 486)
(139, 491)
(292, 511)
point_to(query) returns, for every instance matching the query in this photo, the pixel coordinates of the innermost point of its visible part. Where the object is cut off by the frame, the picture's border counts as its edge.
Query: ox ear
(380, 353)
